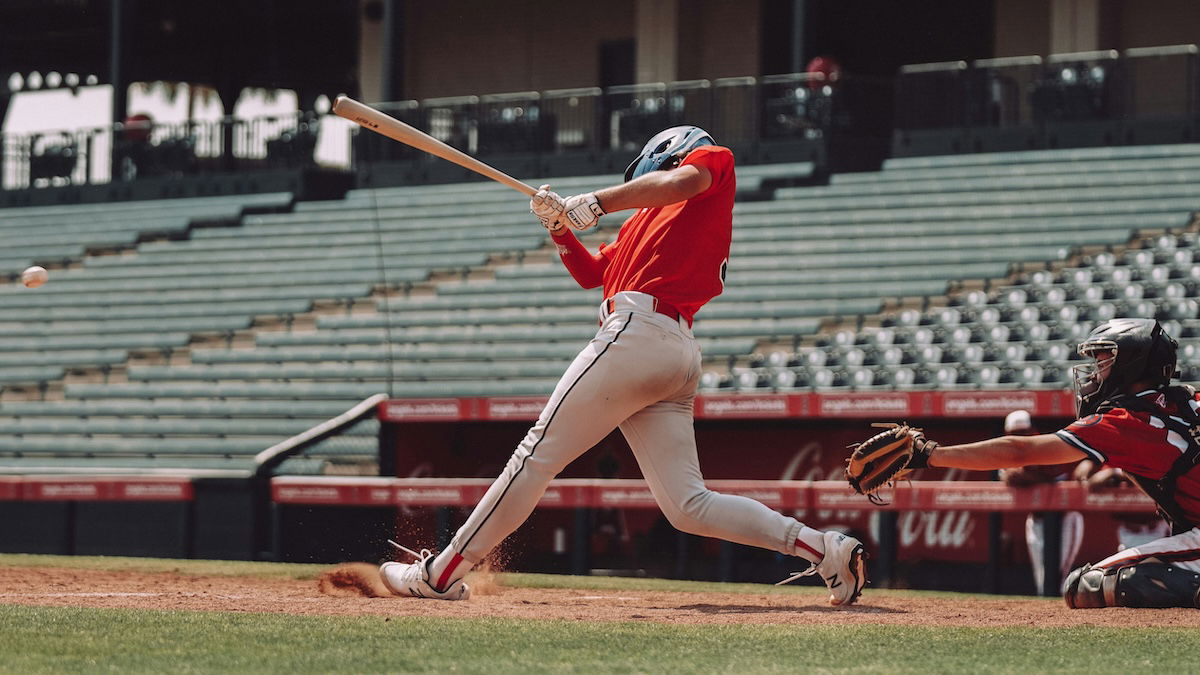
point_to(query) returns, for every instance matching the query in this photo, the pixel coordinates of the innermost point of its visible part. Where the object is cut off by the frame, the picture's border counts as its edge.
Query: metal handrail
(938, 67)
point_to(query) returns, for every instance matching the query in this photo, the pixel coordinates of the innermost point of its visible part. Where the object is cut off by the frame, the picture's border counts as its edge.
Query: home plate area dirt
(354, 589)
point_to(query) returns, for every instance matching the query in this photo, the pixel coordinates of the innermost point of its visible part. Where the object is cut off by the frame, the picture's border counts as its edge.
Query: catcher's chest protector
(1186, 423)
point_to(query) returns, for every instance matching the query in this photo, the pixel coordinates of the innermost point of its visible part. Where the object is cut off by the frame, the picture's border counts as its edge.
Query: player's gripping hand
(549, 208)
(583, 211)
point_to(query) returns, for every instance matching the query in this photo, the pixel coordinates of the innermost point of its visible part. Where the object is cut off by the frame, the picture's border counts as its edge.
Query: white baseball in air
(34, 276)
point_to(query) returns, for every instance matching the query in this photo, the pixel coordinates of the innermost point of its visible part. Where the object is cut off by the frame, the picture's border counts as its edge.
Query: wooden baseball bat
(370, 118)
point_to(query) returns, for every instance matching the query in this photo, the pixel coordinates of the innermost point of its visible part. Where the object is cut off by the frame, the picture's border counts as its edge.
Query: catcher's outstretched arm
(1005, 452)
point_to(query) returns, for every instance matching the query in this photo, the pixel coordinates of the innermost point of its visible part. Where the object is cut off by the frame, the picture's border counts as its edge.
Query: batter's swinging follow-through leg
(639, 373)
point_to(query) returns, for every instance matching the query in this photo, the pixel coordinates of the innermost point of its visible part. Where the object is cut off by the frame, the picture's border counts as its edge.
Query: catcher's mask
(667, 150)
(1121, 353)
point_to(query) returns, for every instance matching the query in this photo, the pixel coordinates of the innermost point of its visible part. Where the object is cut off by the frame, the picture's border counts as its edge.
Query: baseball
(34, 276)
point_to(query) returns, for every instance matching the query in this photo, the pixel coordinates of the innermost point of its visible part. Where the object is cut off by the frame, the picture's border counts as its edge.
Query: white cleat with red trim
(413, 578)
(842, 568)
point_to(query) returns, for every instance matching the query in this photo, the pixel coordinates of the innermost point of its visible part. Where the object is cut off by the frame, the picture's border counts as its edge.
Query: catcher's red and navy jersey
(1140, 444)
(678, 252)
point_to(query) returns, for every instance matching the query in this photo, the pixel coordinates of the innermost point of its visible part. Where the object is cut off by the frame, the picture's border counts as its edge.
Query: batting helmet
(1125, 352)
(667, 149)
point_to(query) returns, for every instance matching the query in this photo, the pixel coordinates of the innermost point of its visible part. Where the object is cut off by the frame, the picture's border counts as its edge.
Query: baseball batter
(1130, 418)
(639, 372)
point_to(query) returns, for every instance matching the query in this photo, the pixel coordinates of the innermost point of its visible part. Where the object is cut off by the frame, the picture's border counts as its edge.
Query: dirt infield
(355, 590)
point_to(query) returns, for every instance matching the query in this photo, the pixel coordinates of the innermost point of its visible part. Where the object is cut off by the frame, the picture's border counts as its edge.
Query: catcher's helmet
(667, 149)
(1126, 351)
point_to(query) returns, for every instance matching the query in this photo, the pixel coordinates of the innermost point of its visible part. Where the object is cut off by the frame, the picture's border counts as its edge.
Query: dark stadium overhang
(310, 46)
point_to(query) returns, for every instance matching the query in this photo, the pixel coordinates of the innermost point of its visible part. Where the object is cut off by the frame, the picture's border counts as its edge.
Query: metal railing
(737, 110)
(123, 152)
(1153, 83)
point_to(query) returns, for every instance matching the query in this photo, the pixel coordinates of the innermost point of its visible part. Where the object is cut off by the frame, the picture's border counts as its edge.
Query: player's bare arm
(1005, 452)
(659, 188)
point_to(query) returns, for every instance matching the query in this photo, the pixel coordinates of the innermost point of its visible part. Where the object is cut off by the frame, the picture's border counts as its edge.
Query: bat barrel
(370, 118)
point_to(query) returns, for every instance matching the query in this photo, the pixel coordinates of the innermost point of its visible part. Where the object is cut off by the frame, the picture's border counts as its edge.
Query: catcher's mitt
(886, 457)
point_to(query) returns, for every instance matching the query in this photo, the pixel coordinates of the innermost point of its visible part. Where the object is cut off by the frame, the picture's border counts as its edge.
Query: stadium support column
(797, 56)
(392, 57)
(118, 47)
(1082, 25)
(657, 35)
(381, 62)
(5, 97)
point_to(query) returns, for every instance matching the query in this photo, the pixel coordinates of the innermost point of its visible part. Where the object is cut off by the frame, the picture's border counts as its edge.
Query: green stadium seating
(802, 255)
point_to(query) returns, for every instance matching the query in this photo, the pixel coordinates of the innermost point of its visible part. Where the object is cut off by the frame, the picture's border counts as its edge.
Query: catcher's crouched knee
(1145, 585)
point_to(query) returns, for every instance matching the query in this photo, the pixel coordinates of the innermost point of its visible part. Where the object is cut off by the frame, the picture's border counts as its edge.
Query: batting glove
(548, 207)
(583, 210)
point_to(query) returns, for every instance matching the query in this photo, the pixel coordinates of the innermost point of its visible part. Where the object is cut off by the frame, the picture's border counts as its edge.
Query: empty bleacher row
(1016, 332)
(123, 346)
(54, 235)
(201, 350)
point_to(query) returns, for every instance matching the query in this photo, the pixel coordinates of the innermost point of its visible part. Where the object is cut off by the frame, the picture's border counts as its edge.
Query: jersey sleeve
(585, 268)
(719, 162)
(1119, 439)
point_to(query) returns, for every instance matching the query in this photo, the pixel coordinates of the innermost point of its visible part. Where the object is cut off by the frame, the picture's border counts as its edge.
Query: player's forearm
(585, 268)
(994, 453)
(1005, 452)
(658, 188)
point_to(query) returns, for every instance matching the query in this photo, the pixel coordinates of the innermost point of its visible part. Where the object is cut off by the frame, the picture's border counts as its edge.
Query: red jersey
(1140, 444)
(677, 252)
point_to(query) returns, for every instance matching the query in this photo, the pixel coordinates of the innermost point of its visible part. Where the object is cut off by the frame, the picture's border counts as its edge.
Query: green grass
(38, 639)
(49, 639)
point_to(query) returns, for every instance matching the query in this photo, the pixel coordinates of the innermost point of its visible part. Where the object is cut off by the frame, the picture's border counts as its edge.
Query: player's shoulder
(710, 154)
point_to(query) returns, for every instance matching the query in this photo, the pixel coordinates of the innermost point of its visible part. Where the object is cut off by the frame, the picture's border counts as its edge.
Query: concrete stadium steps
(49, 465)
(574, 333)
(481, 357)
(1047, 177)
(177, 408)
(357, 370)
(1053, 156)
(57, 235)
(1144, 195)
(248, 261)
(93, 313)
(773, 270)
(348, 393)
(150, 296)
(532, 239)
(237, 277)
(401, 317)
(91, 357)
(270, 428)
(39, 332)
(1000, 227)
(801, 216)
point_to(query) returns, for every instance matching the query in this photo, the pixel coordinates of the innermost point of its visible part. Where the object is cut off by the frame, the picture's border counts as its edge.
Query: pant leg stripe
(467, 541)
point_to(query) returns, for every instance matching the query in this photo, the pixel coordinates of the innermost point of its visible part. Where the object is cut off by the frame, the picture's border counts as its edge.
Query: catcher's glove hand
(887, 457)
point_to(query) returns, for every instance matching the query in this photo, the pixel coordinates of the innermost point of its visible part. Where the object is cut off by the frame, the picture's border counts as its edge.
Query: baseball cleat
(842, 568)
(413, 578)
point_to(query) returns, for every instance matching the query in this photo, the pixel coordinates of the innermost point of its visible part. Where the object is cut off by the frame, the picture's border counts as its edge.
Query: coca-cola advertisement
(751, 439)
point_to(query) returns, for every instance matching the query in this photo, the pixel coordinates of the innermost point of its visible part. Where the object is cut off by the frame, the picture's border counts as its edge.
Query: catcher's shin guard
(1145, 585)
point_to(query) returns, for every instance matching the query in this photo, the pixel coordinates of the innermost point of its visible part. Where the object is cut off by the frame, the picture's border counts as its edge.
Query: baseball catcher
(1129, 417)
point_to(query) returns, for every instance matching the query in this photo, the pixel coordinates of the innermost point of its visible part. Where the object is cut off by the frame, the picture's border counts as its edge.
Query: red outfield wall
(763, 437)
